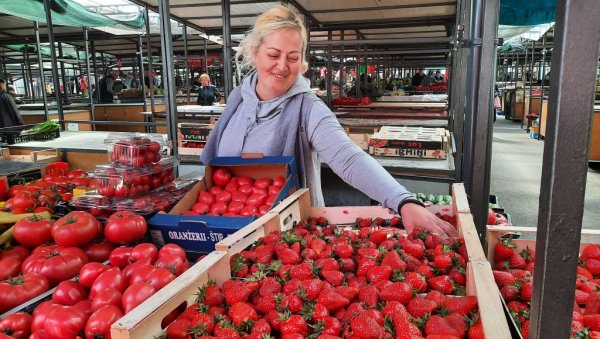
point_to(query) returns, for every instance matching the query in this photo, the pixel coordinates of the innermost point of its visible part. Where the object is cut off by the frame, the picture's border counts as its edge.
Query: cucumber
(440, 199)
(431, 198)
(421, 196)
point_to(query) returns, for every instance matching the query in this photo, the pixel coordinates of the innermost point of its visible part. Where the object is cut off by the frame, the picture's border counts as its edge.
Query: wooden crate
(47, 155)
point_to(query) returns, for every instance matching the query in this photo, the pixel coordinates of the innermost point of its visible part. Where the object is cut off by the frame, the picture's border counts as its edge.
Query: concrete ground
(517, 172)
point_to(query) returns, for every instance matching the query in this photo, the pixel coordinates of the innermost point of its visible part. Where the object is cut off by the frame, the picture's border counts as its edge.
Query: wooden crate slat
(459, 199)
(469, 233)
(249, 234)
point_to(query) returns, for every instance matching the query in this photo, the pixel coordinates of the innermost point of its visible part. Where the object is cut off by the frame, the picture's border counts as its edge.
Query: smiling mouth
(278, 76)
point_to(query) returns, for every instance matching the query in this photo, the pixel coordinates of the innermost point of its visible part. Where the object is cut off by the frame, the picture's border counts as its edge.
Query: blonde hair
(275, 19)
(204, 76)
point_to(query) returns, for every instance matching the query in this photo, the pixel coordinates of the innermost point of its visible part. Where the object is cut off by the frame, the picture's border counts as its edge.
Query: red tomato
(224, 196)
(206, 197)
(56, 263)
(159, 278)
(18, 252)
(279, 181)
(99, 251)
(65, 322)
(144, 252)
(262, 183)
(76, 173)
(99, 323)
(84, 306)
(90, 271)
(111, 278)
(23, 200)
(245, 181)
(33, 231)
(173, 263)
(138, 272)
(135, 294)
(233, 185)
(9, 267)
(221, 177)
(248, 211)
(40, 334)
(215, 190)
(256, 200)
(18, 325)
(41, 313)
(75, 229)
(69, 293)
(125, 227)
(43, 209)
(109, 296)
(119, 257)
(238, 196)
(235, 207)
(15, 291)
(218, 208)
(172, 249)
(491, 217)
(14, 189)
(200, 208)
(246, 189)
(259, 191)
(273, 190)
(263, 209)
(81, 182)
(270, 200)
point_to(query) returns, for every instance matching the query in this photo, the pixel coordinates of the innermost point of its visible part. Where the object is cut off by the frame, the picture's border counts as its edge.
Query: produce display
(134, 150)
(233, 196)
(323, 281)
(130, 93)
(434, 199)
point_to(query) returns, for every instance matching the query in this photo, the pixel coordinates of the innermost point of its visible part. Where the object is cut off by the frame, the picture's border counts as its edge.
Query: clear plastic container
(135, 149)
(126, 182)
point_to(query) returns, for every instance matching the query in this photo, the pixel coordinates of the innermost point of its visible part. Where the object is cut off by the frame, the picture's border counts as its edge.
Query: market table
(37, 116)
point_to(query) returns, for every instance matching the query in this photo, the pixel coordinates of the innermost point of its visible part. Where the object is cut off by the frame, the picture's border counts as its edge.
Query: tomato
(109, 296)
(85, 306)
(14, 189)
(43, 209)
(262, 183)
(248, 211)
(238, 196)
(491, 217)
(218, 208)
(159, 278)
(135, 294)
(76, 173)
(99, 251)
(9, 267)
(75, 229)
(273, 190)
(221, 177)
(137, 272)
(99, 323)
(235, 207)
(18, 325)
(270, 200)
(169, 249)
(90, 271)
(41, 313)
(246, 189)
(206, 198)
(245, 181)
(144, 252)
(56, 263)
(81, 182)
(279, 181)
(23, 200)
(215, 190)
(33, 231)
(65, 322)
(119, 257)
(173, 263)
(233, 185)
(263, 209)
(256, 200)
(17, 290)
(259, 191)
(224, 196)
(19, 252)
(125, 227)
(40, 334)
(69, 293)
(111, 278)
(200, 208)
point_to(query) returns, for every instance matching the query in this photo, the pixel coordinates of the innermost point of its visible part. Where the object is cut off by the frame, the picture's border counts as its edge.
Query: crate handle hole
(167, 320)
(288, 219)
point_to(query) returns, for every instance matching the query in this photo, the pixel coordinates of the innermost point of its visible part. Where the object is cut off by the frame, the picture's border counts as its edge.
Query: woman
(207, 93)
(275, 113)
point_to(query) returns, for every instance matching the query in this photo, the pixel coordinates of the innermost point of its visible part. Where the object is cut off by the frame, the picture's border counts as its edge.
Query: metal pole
(36, 27)
(140, 54)
(86, 39)
(227, 69)
(531, 80)
(186, 75)
(342, 65)
(168, 74)
(357, 67)
(329, 75)
(150, 67)
(543, 62)
(566, 151)
(96, 91)
(524, 83)
(63, 74)
(29, 75)
(25, 79)
(55, 80)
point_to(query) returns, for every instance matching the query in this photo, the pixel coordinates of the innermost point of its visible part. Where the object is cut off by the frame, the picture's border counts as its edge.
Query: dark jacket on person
(207, 95)
(9, 112)
(105, 95)
(416, 79)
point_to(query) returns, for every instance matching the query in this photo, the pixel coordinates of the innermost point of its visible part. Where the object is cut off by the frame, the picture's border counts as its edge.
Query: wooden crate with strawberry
(328, 280)
(511, 251)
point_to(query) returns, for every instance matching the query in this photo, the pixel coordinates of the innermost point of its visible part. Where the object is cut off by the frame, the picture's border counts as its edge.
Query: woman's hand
(414, 215)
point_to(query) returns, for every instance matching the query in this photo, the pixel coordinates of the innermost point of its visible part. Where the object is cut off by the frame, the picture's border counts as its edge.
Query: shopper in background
(9, 112)
(274, 112)
(207, 94)
(438, 76)
(428, 80)
(418, 78)
(106, 87)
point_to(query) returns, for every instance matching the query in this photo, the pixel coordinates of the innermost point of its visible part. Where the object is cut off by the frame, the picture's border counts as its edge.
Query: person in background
(207, 93)
(274, 112)
(106, 87)
(9, 112)
(418, 78)
(428, 79)
(438, 76)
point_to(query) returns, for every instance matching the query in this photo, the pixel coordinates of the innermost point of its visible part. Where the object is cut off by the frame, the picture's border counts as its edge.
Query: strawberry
(291, 286)
(309, 254)
(364, 265)
(406, 329)
(264, 253)
(584, 272)
(592, 303)
(363, 326)
(527, 292)
(311, 288)
(398, 291)
(425, 270)
(329, 326)
(374, 314)
(369, 295)
(203, 323)
(395, 222)
(291, 302)
(295, 247)
(303, 271)
(379, 221)
(226, 329)
(261, 327)
(591, 251)
(442, 262)
(378, 236)
(517, 306)
(416, 281)
(235, 291)
(371, 253)
(437, 325)
(458, 275)
(517, 261)
(347, 265)
(593, 266)
(318, 245)
(457, 321)
(289, 256)
(393, 260)
(352, 311)
(363, 222)
(241, 312)
(177, 327)
(347, 292)
(418, 307)
(580, 297)
(461, 305)
(328, 264)
(503, 278)
(476, 331)
(388, 244)
(442, 283)
(504, 249)
(525, 329)
(528, 254)
(382, 284)
(343, 250)
(379, 273)
(274, 319)
(416, 248)
(293, 324)
(509, 293)
(214, 310)
(332, 300)
(264, 304)
(335, 278)
(269, 286)
(436, 296)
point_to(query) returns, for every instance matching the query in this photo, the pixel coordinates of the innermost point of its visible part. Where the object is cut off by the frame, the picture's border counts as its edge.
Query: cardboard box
(192, 133)
(407, 137)
(199, 234)
(408, 153)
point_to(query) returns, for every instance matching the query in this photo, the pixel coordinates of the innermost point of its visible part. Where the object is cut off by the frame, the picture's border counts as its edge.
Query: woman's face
(278, 61)
(204, 81)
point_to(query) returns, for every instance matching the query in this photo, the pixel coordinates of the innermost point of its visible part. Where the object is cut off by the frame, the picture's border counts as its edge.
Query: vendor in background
(428, 80)
(207, 93)
(418, 78)
(9, 112)
(438, 76)
(106, 85)
(274, 112)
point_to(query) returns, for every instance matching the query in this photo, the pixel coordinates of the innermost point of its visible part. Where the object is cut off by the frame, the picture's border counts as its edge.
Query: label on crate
(407, 143)
(408, 153)
(194, 132)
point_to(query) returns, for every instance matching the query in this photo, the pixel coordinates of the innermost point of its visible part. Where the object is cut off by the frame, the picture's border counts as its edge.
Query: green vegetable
(47, 126)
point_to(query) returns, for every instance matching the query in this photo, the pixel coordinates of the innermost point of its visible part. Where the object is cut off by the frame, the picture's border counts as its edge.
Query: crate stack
(410, 142)
(192, 137)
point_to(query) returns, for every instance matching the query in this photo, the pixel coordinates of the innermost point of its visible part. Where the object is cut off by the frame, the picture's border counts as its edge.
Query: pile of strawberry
(331, 282)
(513, 272)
